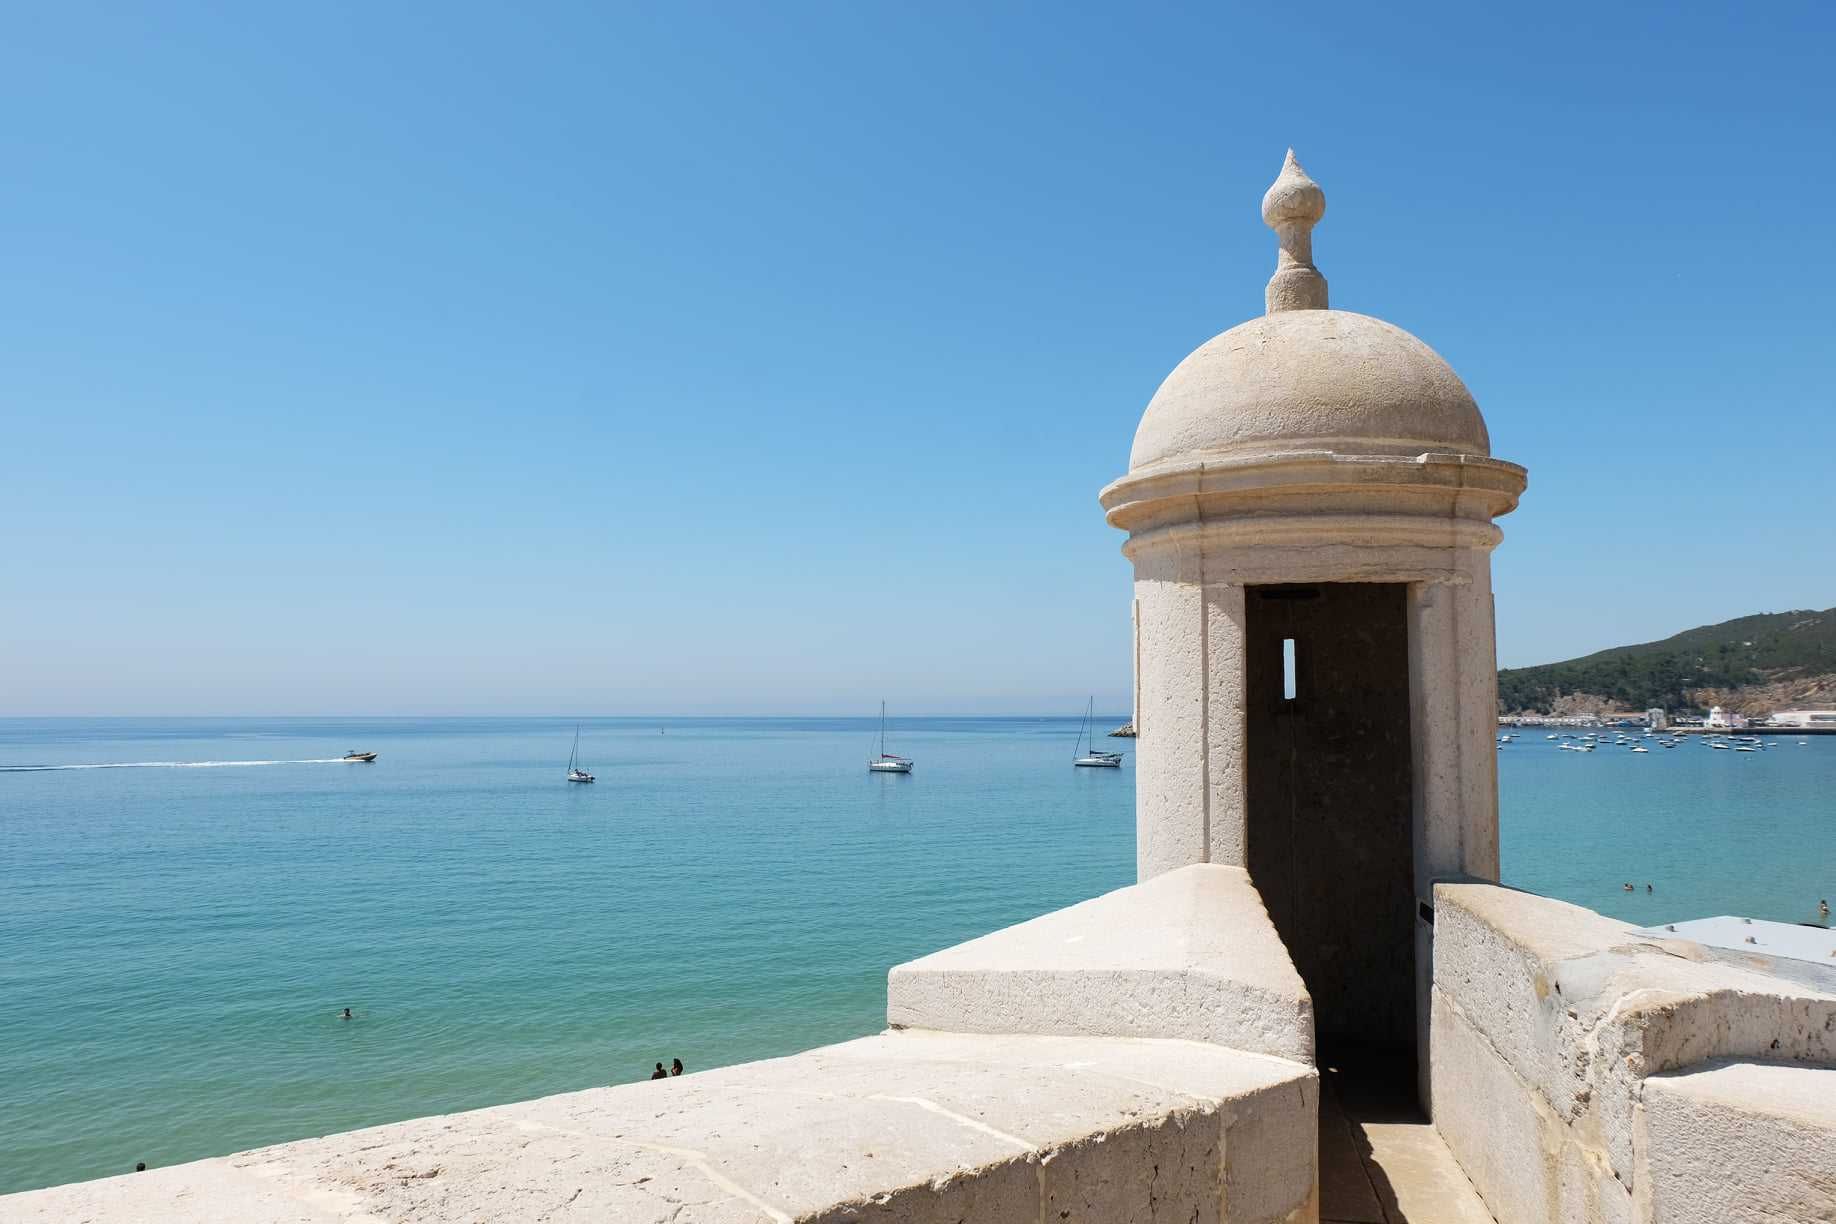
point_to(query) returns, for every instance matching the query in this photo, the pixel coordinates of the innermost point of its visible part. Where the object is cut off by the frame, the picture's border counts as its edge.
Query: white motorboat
(574, 771)
(888, 762)
(1093, 758)
(355, 756)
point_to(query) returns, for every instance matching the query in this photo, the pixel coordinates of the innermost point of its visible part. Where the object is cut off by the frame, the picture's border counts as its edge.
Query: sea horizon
(731, 889)
(872, 715)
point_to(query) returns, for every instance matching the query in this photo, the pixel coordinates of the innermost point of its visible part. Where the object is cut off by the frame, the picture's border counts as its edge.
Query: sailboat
(1093, 759)
(887, 762)
(574, 772)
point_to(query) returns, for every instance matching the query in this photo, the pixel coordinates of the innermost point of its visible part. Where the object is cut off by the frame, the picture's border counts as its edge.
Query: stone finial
(1292, 206)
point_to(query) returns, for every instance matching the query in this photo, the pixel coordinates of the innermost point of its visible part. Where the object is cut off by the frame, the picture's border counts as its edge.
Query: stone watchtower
(1309, 508)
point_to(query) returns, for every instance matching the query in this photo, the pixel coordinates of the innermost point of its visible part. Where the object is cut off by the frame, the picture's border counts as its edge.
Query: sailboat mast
(882, 730)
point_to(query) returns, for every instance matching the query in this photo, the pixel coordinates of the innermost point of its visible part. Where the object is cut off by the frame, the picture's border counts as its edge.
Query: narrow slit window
(1287, 669)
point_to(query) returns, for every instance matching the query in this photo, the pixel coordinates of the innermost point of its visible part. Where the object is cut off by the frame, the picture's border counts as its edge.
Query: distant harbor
(1592, 723)
(1751, 729)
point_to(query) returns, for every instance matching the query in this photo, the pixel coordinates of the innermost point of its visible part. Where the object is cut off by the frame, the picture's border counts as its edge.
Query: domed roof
(1310, 380)
(1307, 377)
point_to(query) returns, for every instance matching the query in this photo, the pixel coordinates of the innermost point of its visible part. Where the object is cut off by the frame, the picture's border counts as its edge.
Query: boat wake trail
(168, 765)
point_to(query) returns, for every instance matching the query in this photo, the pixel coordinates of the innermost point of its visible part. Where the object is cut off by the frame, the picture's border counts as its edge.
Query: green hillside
(1735, 654)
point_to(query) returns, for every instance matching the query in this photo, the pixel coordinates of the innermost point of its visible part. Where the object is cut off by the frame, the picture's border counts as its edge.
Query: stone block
(1582, 1010)
(1736, 1142)
(1188, 954)
(1526, 1162)
(1490, 1120)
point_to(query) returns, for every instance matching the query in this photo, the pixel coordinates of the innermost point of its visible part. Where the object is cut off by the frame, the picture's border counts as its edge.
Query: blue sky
(746, 358)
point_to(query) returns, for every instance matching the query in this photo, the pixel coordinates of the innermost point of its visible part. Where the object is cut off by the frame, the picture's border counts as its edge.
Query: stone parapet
(1548, 1021)
(1189, 954)
(898, 1127)
(1735, 1142)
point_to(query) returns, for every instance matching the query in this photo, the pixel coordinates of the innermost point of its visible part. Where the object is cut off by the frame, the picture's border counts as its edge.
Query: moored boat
(574, 771)
(888, 762)
(1094, 758)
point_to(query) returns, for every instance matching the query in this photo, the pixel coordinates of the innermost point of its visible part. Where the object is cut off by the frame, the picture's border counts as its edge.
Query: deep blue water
(176, 940)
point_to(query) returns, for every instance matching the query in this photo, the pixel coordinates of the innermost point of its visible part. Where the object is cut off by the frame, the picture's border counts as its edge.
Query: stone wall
(1549, 1023)
(1740, 1142)
(910, 1127)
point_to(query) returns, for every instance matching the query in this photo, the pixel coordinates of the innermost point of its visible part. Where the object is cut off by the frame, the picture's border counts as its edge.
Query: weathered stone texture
(1736, 1142)
(1549, 1021)
(900, 1127)
(1190, 954)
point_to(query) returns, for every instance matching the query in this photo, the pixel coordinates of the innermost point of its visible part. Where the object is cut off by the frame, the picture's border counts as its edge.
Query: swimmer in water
(347, 1015)
(1823, 907)
(675, 1066)
(1628, 887)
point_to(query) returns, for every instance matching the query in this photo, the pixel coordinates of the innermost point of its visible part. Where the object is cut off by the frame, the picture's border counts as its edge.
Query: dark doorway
(1330, 814)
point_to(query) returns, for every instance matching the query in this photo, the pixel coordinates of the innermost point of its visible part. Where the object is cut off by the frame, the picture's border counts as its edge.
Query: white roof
(1788, 939)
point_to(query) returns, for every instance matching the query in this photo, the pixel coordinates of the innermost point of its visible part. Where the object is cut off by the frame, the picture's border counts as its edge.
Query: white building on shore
(1803, 718)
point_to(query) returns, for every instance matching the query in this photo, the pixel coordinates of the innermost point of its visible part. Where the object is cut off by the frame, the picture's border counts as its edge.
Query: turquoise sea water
(179, 931)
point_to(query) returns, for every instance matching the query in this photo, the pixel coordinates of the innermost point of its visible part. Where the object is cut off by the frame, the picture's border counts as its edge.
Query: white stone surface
(1527, 1163)
(1291, 207)
(1741, 1143)
(1189, 954)
(1324, 379)
(899, 1127)
(1199, 538)
(1305, 375)
(1172, 826)
(1549, 1020)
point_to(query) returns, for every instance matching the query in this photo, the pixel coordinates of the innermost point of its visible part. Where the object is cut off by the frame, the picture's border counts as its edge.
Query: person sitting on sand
(675, 1066)
(659, 1073)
